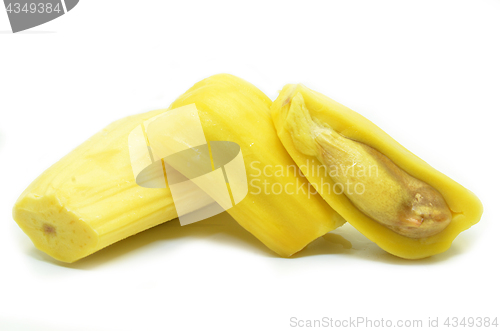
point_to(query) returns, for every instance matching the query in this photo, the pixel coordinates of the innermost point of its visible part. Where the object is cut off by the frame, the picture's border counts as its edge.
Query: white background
(427, 72)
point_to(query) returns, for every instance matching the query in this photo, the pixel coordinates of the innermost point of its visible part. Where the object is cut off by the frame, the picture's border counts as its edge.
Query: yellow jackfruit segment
(231, 109)
(465, 207)
(89, 199)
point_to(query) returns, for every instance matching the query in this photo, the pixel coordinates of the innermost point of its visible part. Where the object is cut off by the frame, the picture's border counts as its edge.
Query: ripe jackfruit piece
(390, 195)
(281, 209)
(89, 199)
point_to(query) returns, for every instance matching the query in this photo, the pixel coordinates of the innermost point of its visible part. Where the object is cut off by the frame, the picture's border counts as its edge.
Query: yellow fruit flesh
(372, 182)
(231, 109)
(334, 120)
(89, 199)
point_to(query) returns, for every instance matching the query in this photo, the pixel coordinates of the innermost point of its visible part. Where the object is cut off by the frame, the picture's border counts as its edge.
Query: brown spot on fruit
(49, 229)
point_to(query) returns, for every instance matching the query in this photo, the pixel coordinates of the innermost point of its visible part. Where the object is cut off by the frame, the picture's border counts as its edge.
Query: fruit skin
(89, 199)
(465, 206)
(231, 109)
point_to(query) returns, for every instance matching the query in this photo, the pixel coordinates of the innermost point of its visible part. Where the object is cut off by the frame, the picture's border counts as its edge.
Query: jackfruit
(292, 215)
(390, 195)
